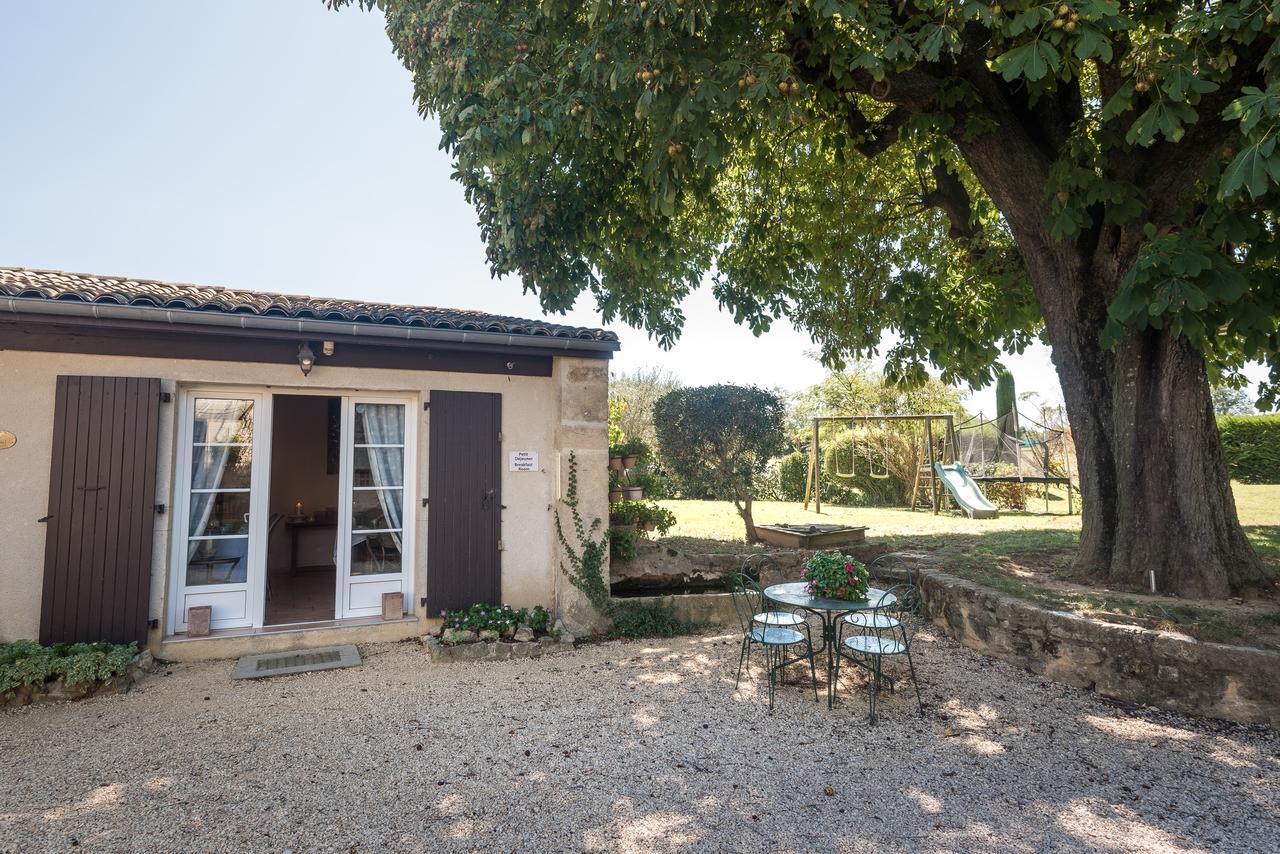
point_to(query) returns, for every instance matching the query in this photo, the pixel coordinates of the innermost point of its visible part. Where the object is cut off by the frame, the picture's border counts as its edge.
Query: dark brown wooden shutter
(102, 484)
(464, 510)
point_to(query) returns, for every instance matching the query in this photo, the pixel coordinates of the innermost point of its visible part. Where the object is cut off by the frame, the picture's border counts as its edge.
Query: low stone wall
(658, 567)
(713, 608)
(500, 650)
(1164, 669)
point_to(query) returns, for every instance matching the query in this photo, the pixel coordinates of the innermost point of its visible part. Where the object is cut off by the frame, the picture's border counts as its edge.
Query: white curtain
(384, 425)
(215, 422)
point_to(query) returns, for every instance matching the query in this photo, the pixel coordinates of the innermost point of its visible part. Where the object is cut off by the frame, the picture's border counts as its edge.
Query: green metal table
(796, 594)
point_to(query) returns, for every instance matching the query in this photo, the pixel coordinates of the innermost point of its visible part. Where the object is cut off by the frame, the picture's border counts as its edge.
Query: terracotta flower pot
(633, 493)
(630, 460)
(615, 495)
(615, 463)
(650, 526)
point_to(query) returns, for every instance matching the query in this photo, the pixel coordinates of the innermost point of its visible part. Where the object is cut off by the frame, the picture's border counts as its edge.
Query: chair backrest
(902, 602)
(747, 597)
(896, 566)
(755, 565)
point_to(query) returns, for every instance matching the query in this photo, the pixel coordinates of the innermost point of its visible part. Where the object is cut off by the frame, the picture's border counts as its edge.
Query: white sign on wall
(523, 461)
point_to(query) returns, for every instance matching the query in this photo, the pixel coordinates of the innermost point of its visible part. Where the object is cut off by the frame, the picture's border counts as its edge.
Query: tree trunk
(743, 503)
(1153, 479)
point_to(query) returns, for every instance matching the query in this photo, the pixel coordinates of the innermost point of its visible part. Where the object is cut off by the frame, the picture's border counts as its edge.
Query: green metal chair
(889, 632)
(773, 630)
(901, 565)
(754, 567)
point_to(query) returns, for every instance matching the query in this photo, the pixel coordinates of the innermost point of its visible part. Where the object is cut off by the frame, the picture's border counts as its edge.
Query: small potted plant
(650, 516)
(633, 493)
(632, 450)
(831, 575)
(616, 455)
(615, 485)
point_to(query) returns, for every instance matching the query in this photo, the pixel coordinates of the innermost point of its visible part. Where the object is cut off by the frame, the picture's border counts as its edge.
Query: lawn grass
(1021, 554)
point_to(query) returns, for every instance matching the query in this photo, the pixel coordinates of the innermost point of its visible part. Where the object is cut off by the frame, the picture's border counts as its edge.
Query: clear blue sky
(275, 146)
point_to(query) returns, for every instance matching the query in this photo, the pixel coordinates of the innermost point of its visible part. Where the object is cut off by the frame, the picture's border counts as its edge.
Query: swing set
(851, 472)
(937, 449)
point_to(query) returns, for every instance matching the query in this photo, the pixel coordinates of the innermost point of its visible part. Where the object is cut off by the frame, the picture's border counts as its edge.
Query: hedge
(792, 471)
(1251, 444)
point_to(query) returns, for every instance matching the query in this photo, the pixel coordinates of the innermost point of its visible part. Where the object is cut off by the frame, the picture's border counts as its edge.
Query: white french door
(220, 515)
(222, 505)
(375, 530)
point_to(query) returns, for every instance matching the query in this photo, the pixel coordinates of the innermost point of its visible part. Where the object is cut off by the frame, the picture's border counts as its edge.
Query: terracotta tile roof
(21, 282)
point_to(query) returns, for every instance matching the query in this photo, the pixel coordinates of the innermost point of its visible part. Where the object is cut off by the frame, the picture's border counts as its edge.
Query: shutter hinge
(160, 509)
(426, 404)
(166, 397)
(499, 435)
(44, 518)
(424, 501)
(153, 624)
(500, 545)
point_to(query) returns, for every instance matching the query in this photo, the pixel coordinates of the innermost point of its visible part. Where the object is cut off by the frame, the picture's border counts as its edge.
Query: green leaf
(1249, 169)
(1091, 43)
(1033, 61)
(1025, 22)
(1250, 107)
(1120, 102)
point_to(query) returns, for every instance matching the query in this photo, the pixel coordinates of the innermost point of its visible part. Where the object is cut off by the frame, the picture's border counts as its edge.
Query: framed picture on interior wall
(333, 436)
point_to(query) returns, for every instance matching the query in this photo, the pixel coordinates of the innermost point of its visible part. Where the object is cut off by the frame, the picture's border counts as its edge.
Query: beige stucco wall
(551, 415)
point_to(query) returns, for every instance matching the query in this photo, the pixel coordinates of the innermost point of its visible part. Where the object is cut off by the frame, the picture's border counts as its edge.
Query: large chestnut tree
(964, 175)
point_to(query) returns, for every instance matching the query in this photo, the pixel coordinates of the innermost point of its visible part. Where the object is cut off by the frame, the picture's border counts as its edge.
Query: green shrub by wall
(1251, 444)
(25, 663)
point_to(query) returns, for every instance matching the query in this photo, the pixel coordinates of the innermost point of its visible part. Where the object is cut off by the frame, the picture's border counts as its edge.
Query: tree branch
(952, 198)
(877, 136)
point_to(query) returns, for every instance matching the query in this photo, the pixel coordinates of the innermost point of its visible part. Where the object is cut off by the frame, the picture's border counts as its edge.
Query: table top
(797, 593)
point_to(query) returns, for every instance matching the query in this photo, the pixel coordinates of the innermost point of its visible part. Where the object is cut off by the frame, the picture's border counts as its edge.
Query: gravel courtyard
(640, 746)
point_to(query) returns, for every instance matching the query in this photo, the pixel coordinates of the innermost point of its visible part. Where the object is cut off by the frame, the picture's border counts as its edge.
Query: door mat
(300, 661)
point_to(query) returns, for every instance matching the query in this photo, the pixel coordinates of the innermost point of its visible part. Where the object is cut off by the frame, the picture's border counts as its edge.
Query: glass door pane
(374, 507)
(221, 471)
(218, 550)
(377, 489)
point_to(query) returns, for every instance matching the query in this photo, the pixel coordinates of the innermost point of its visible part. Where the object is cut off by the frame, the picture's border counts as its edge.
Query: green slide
(966, 492)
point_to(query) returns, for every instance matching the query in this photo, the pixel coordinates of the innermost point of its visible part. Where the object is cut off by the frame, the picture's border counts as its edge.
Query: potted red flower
(831, 575)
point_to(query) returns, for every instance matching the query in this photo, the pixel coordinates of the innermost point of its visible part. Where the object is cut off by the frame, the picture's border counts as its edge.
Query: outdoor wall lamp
(306, 358)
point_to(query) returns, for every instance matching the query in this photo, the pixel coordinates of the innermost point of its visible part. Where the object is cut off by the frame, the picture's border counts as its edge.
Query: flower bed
(31, 673)
(497, 632)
